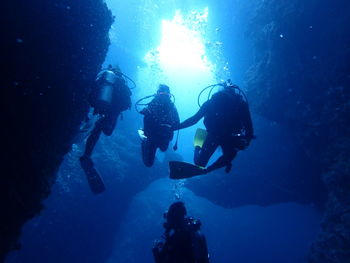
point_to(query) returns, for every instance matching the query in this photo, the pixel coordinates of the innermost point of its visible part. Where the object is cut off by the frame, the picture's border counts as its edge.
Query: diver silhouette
(109, 97)
(228, 125)
(160, 116)
(182, 241)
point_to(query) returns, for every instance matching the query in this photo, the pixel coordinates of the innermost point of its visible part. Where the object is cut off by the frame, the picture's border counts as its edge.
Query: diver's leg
(93, 138)
(229, 153)
(109, 123)
(223, 161)
(197, 150)
(149, 149)
(202, 155)
(163, 145)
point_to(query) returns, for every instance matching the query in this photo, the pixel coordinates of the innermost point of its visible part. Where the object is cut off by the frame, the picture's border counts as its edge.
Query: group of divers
(228, 124)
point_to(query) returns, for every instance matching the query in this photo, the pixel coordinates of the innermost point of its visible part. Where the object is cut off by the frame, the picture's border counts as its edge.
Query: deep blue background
(268, 209)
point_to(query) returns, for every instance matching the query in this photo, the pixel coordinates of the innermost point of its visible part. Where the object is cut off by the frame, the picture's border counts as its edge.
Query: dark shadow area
(300, 79)
(50, 54)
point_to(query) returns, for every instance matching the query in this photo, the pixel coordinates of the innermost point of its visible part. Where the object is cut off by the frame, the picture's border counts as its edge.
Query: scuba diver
(160, 116)
(228, 125)
(109, 97)
(182, 242)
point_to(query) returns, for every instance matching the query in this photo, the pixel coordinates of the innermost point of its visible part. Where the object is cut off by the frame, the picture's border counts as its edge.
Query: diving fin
(183, 170)
(199, 137)
(95, 181)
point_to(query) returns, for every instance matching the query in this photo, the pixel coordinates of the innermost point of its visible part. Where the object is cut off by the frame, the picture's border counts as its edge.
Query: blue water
(256, 214)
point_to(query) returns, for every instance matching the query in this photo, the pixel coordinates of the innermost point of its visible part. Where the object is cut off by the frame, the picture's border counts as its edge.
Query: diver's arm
(161, 252)
(203, 256)
(192, 120)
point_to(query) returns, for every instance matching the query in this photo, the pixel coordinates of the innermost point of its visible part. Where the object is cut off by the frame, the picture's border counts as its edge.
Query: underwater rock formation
(231, 233)
(78, 226)
(50, 54)
(301, 80)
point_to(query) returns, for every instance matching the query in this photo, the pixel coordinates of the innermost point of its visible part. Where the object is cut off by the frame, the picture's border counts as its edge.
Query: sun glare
(182, 43)
(180, 60)
(181, 46)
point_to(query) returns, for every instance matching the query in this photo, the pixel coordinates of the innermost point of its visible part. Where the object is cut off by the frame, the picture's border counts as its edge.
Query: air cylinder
(105, 93)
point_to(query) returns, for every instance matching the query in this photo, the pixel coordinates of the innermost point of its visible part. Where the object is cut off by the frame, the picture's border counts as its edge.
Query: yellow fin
(199, 137)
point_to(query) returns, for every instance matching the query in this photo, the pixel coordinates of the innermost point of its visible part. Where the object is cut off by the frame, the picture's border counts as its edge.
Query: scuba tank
(105, 88)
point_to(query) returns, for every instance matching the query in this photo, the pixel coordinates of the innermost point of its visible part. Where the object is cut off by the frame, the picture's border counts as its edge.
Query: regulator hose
(128, 78)
(228, 84)
(138, 102)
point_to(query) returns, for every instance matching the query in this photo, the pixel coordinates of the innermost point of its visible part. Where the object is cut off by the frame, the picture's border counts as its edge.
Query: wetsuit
(159, 117)
(109, 113)
(226, 114)
(182, 244)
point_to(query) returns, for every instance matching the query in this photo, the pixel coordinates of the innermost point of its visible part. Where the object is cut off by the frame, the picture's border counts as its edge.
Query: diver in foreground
(228, 125)
(160, 116)
(182, 242)
(109, 97)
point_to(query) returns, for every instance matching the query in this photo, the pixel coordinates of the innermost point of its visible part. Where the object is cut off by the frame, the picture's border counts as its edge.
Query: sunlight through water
(182, 46)
(180, 60)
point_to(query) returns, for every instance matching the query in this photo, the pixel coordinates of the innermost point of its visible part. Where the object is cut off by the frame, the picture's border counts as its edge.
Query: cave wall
(50, 54)
(77, 225)
(301, 79)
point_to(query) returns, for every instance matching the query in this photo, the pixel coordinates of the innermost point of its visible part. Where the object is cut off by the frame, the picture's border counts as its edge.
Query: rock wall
(51, 52)
(301, 79)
